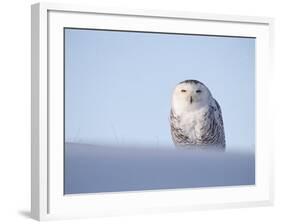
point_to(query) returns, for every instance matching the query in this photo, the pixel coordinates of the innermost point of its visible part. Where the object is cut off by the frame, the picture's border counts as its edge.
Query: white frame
(48, 201)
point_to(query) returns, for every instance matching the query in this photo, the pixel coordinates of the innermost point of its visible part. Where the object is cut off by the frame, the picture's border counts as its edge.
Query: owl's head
(190, 95)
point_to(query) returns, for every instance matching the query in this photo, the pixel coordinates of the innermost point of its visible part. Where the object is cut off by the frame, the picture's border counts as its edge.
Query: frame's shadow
(25, 213)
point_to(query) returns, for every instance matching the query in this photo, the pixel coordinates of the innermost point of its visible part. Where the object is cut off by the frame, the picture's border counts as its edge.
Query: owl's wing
(219, 121)
(213, 131)
(177, 133)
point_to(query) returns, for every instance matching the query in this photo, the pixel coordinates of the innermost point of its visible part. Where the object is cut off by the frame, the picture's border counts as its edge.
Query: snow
(93, 169)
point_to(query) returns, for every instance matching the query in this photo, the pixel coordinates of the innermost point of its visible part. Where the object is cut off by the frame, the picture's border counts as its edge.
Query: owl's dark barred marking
(196, 117)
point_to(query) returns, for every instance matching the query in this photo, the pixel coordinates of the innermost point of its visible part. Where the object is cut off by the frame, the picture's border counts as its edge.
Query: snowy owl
(196, 117)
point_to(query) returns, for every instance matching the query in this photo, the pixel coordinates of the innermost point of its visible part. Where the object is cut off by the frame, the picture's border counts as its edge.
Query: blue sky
(118, 85)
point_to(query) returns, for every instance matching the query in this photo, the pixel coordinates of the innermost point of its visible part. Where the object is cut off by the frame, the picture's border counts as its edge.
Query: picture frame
(48, 200)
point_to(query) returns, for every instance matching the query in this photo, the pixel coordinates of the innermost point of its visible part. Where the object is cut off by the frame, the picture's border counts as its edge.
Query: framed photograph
(148, 111)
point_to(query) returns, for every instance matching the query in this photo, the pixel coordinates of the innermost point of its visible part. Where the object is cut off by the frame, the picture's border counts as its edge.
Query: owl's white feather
(196, 118)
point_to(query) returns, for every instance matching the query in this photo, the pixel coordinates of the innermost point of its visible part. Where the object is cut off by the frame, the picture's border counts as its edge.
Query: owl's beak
(191, 100)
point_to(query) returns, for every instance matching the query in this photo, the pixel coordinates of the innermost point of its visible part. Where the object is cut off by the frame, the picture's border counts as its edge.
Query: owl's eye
(183, 90)
(198, 91)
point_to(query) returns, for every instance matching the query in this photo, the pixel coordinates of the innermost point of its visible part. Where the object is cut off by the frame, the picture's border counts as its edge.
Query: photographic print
(153, 111)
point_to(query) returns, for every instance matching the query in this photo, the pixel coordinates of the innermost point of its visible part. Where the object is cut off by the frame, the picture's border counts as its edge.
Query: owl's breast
(193, 125)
